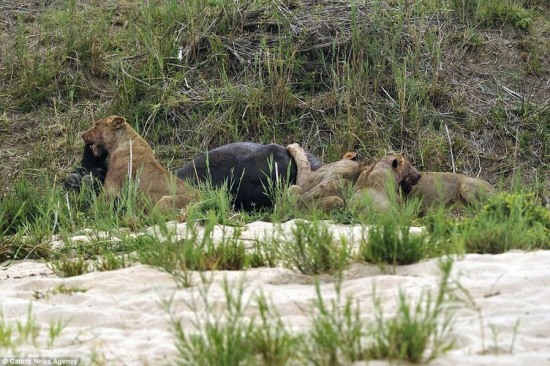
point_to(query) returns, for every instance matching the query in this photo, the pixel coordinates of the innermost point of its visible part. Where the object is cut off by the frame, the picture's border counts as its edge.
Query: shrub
(507, 221)
(313, 249)
(505, 12)
(391, 240)
(336, 335)
(428, 325)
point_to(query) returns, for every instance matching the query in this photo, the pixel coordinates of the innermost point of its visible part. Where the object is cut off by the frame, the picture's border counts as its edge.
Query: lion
(450, 189)
(129, 155)
(324, 188)
(380, 182)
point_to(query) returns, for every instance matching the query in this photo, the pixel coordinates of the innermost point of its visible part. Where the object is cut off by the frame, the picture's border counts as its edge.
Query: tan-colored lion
(448, 189)
(324, 188)
(130, 155)
(378, 183)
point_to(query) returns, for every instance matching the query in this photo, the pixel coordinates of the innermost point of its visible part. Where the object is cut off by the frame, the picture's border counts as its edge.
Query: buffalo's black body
(92, 170)
(248, 168)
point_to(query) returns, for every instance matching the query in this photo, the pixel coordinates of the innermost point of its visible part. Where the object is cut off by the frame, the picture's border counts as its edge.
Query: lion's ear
(350, 155)
(395, 163)
(118, 122)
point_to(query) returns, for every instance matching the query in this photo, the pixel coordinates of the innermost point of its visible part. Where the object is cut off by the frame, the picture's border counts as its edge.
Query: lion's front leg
(302, 164)
(111, 188)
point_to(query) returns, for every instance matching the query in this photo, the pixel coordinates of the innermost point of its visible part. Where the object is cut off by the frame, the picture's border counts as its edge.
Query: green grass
(333, 77)
(197, 251)
(69, 267)
(313, 249)
(287, 84)
(14, 334)
(275, 344)
(508, 221)
(224, 339)
(337, 332)
(391, 242)
(340, 334)
(416, 328)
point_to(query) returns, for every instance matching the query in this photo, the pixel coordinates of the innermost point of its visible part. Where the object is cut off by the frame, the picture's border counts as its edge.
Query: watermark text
(35, 361)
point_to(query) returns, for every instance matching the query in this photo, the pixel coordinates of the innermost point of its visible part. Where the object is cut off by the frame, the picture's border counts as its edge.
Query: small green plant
(178, 258)
(336, 336)
(391, 240)
(440, 228)
(395, 245)
(17, 333)
(415, 329)
(200, 250)
(222, 339)
(313, 249)
(110, 261)
(20, 332)
(54, 331)
(507, 221)
(229, 254)
(70, 267)
(265, 253)
(224, 336)
(270, 338)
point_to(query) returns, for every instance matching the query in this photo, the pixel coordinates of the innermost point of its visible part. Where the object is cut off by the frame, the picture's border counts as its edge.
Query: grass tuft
(314, 250)
(336, 336)
(222, 339)
(415, 329)
(391, 241)
(507, 221)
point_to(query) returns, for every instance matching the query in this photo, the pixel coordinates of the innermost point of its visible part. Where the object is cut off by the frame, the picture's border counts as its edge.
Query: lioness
(324, 187)
(378, 182)
(448, 189)
(130, 155)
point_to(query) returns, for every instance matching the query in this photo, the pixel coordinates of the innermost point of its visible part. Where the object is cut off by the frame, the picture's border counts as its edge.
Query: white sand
(119, 316)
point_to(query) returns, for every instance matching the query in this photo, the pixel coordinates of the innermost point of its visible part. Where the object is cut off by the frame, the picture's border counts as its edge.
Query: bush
(391, 240)
(508, 221)
(313, 249)
(416, 329)
(504, 12)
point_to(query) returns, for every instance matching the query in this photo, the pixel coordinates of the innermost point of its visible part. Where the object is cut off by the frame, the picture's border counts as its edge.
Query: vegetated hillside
(454, 84)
